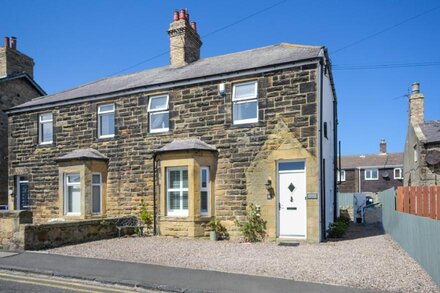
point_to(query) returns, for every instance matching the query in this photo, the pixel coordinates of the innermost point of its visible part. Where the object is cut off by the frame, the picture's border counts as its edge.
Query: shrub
(338, 228)
(145, 216)
(254, 228)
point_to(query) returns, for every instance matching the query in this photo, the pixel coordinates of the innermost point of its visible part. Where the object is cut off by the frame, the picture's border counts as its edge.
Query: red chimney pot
(194, 25)
(14, 43)
(182, 14)
(7, 42)
(176, 15)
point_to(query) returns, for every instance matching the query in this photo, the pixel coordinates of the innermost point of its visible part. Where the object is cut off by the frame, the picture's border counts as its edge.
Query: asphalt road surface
(20, 282)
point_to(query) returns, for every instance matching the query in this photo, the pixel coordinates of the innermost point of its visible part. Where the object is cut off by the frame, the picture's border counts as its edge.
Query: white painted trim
(181, 212)
(100, 193)
(41, 123)
(371, 178)
(206, 189)
(103, 113)
(278, 197)
(243, 100)
(160, 109)
(401, 173)
(66, 183)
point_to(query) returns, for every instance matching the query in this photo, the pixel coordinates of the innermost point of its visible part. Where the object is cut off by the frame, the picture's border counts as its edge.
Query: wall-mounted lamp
(269, 189)
(221, 89)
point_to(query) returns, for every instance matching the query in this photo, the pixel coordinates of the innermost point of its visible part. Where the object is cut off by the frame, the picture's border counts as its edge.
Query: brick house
(422, 147)
(201, 137)
(16, 87)
(371, 173)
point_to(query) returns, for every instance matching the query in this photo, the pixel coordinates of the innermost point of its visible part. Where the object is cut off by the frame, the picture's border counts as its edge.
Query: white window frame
(181, 212)
(153, 112)
(205, 189)
(341, 175)
(400, 173)
(416, 155)
(66, 184)
(100, 193)
(102, 113)
(41, 123)
(369, 174)
(243, 100)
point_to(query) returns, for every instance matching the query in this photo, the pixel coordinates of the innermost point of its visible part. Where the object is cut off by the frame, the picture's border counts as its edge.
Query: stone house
(422, 147)
(16, 87)
(371, 173)
(201, 137)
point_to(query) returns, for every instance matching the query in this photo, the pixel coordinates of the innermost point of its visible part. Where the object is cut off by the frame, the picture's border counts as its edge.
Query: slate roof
(431, 130)
(205, 67)
(83, 154)
(186, 144)
(26, 77)
(372, 160)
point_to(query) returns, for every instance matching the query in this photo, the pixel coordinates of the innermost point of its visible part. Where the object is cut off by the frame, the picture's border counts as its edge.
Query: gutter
(321, 169)
(359, 179)
(154, 195)
(162, 86)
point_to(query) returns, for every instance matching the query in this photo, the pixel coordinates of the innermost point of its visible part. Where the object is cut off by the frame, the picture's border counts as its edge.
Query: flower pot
(213, 235)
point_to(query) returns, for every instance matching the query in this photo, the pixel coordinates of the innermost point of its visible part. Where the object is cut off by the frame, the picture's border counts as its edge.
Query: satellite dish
(385, 175)
(433, 157)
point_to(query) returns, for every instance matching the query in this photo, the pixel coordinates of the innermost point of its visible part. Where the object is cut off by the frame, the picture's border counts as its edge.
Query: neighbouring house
(198, 138)
(16, 87)
(422, 147)
(371, 173)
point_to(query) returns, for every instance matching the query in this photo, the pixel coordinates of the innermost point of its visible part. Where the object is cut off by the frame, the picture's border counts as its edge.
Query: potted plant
(215, 228)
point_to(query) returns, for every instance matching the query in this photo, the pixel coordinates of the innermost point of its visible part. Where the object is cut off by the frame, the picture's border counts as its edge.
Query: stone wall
(11, 236)
(287, 96)
(12, 93)
(13, 62)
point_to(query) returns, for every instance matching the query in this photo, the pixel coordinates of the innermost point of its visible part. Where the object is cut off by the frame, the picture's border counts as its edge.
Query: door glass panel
(290, 166)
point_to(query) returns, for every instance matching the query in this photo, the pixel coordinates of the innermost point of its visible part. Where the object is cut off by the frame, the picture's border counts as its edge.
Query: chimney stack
(12, 61)
(416, 105)
(383, 146)
(185, 42)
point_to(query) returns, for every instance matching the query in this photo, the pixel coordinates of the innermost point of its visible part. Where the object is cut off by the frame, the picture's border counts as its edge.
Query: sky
(75, 42)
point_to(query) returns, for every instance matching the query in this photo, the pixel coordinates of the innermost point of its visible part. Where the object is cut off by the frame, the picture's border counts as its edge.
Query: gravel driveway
(373, 262)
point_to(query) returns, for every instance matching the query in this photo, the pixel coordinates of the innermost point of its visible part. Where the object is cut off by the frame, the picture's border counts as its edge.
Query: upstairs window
(371, 174)
(341, 175)
(245, 103)
(398, 173)
(158, 114)
(106, 121)
(45, 128)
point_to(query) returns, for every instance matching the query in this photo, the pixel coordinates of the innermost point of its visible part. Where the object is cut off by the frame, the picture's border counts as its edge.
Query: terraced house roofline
(264, 59)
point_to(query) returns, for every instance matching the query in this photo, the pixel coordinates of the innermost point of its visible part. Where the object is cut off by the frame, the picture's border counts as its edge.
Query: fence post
(432, 205)
(425, 201)
(400, 199)
(412, 200)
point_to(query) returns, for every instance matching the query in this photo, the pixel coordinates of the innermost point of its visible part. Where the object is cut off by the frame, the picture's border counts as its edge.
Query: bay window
(177, 192)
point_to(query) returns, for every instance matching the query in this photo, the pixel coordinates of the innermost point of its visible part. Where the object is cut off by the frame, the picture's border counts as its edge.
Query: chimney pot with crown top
(185, 42)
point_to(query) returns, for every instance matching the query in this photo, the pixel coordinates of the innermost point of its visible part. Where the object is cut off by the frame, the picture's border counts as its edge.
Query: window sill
(159, 132)
(106, 138)
(246, 125)
(45, 145)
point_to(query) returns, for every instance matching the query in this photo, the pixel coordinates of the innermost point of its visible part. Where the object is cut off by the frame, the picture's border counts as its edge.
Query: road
(20, 282)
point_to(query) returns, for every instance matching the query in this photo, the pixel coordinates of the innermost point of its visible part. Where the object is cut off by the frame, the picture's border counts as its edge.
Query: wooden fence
(422, 201)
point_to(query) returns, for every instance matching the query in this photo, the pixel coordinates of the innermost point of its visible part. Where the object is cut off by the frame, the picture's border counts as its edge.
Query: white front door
(292, 199)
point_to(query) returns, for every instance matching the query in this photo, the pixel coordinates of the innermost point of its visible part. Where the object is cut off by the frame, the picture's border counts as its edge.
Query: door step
(284, 242)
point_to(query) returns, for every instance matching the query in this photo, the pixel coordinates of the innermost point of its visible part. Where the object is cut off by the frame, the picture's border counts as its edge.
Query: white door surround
(291, 199)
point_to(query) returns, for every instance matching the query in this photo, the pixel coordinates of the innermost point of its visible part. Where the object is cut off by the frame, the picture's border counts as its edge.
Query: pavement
(156, 277)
